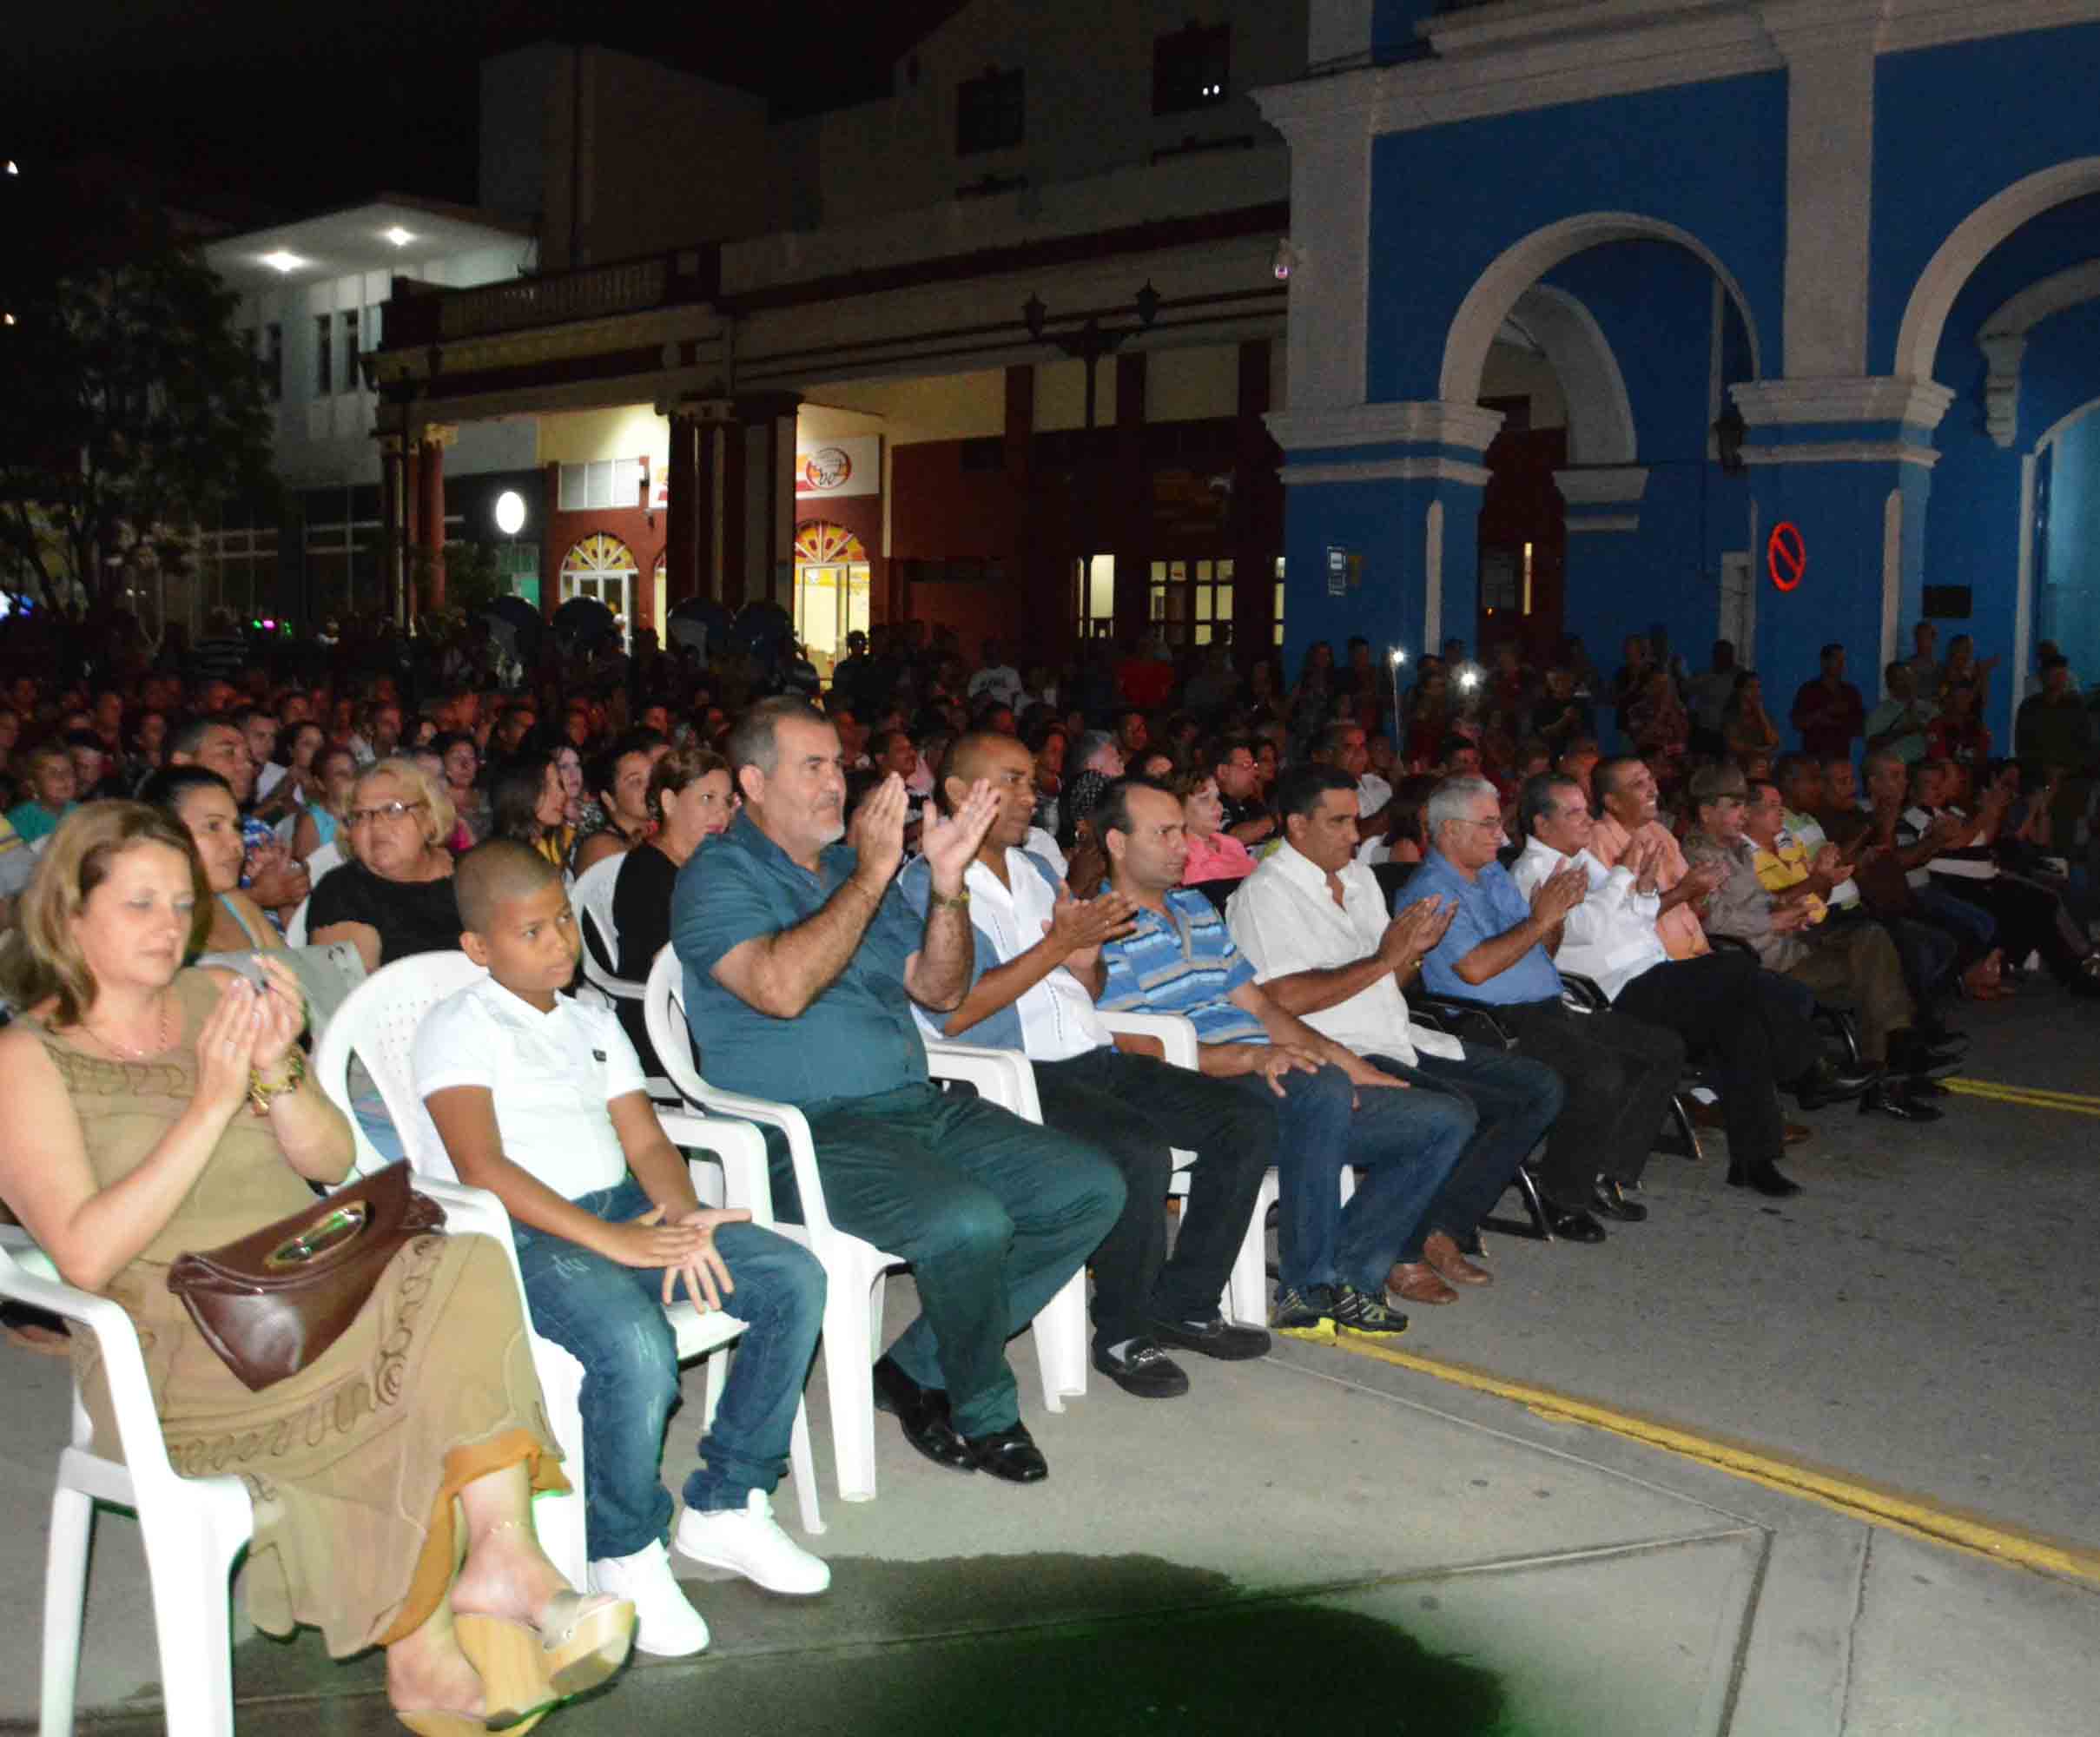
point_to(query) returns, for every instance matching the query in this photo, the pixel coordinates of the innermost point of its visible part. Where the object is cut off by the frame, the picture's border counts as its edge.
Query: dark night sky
(294, 106)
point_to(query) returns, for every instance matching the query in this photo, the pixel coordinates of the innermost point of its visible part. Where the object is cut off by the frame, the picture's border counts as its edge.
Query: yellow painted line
(1877, 1505)
(2083, 1098)
(2068, 1102)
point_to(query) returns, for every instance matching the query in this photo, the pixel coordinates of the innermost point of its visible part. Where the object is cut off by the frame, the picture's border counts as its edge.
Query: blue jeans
(1409, 1140)
(1515, 1100)
(610, 1318)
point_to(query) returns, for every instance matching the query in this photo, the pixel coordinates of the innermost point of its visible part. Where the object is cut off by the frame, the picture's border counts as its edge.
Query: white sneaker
(666, 1624)
(749, 1540)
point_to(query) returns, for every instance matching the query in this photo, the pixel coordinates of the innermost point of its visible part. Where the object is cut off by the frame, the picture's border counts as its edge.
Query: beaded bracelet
(260, 1092)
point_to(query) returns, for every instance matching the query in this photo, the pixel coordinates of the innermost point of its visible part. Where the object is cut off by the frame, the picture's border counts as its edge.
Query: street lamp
(1088, 344)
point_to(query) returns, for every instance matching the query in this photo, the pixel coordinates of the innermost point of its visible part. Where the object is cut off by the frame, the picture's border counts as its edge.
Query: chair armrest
(130, 1397)
(1176, 1035)
(620, 988)
(1001, 1076)
(1451, 1013)
(737, 1148)
(801, 1149)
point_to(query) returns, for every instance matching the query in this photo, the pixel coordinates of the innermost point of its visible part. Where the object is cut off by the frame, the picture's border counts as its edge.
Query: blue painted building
(1828, 263)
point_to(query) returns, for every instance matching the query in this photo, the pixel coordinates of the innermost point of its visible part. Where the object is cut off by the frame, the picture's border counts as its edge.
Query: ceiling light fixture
(283, 261)
(399, 236)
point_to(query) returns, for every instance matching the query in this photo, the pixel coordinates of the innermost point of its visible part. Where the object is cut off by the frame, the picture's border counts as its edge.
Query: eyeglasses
(385, 811)
(1494, 820)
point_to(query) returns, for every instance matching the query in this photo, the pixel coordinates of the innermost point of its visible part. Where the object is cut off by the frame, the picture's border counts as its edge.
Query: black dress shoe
(1610, 1197)
(1010, 1454)
(1917, 1058)
(1765, 1178)
(1889, 1099)
(1826, 1084)
(923, 1413)
(1571, 1224)
(1144, 1370)
(1218, 1337)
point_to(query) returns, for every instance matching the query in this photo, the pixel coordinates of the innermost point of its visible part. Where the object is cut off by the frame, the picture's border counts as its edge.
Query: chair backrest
(377, 1023)
(325, 858)
(1392, 876)
(592, 896)
(664, 1017)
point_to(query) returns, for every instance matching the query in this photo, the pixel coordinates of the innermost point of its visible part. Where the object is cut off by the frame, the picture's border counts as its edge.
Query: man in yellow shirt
(1627, 796)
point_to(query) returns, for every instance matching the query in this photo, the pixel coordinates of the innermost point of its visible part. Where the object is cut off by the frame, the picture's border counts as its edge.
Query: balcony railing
(421, 315)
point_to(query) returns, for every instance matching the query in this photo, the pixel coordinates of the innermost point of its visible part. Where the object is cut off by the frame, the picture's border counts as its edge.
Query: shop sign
(829, 470)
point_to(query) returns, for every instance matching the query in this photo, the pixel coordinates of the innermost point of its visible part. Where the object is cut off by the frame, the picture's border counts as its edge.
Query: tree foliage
(133, 408)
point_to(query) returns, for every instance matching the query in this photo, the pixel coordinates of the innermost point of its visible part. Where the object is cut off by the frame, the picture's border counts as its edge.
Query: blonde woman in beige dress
(153, 1111)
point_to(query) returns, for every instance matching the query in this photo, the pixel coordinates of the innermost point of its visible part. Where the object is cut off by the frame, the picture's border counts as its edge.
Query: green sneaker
(1305, 1314)
(1358, 1311)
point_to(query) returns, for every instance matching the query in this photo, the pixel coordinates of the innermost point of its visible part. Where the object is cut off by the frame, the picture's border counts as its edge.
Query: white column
(1331, 268)
(1829, 46)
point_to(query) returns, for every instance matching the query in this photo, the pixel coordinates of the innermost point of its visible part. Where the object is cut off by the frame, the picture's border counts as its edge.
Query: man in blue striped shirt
(1334, 1109)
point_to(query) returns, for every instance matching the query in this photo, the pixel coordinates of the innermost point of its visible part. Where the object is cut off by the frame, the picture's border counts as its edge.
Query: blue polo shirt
(1488, 905)
(1183, 963)
(854, 1040)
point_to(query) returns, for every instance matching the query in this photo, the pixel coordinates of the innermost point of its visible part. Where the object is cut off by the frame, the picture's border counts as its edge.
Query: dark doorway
(1523, 538)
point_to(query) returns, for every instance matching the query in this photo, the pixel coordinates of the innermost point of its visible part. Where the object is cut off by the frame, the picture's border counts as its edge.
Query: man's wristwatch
(953, 902)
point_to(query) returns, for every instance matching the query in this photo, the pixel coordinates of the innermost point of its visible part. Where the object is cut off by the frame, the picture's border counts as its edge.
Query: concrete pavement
(1325, 1538)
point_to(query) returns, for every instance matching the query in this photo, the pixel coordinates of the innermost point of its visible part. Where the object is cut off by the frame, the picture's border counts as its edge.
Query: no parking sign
(1786, 555)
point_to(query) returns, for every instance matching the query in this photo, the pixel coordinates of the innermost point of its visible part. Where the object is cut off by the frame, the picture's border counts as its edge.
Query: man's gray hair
(1092, 744)
(751, 740)
(1453, 800)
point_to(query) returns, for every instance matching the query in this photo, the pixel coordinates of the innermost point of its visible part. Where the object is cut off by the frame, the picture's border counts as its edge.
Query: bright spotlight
(509, 512)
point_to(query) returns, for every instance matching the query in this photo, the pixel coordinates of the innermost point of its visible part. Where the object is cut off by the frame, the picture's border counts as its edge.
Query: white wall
(1088, 66)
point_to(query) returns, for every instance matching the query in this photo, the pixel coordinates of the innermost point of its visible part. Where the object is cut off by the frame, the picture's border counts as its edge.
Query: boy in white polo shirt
(539, 1098)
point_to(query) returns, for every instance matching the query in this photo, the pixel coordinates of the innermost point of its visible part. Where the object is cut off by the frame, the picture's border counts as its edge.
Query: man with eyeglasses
(1714, 1002)
(1620, 1072)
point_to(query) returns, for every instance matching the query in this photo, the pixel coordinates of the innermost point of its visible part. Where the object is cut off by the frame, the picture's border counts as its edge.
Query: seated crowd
(1421, 963)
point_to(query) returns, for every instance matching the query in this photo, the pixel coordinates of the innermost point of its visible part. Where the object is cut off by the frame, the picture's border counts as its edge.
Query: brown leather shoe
(1441, 1252)
(1796, 1134)
(1412, 1282)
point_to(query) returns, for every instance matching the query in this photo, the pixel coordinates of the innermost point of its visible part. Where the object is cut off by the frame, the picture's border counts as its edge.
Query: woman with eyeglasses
(395, 897)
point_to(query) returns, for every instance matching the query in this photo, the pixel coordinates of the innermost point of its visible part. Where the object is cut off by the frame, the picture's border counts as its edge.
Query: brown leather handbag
(272, 1302)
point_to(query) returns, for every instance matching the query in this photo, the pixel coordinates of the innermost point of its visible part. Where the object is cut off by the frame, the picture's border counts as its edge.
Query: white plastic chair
(325, 857)
(856, 1269)
(592, 897)
(1246, 1297)
(377, 1023)
(194, 1527)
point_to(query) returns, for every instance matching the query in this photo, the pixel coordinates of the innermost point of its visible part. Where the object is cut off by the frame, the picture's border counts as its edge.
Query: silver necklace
(125, 1050)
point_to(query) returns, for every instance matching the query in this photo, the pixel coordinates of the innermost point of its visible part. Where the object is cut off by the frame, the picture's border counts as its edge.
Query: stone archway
(1497, 290)
(1925, 317)
(2003, 339)
(1599, 413)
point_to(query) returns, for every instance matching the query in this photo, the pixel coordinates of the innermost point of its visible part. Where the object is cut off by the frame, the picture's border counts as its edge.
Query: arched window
(602, 567)
(830, 591)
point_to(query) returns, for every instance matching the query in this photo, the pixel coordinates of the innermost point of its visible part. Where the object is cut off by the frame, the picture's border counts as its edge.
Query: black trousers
(1620, 1072)
(1136, 1110)
(1714, 1005)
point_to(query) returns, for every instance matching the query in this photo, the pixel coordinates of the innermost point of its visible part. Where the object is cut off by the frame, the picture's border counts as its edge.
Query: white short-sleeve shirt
(1286, 921)
(553, 1076)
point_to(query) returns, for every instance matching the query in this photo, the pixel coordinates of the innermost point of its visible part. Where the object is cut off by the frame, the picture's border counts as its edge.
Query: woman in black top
(395, 897)
(691, 802)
